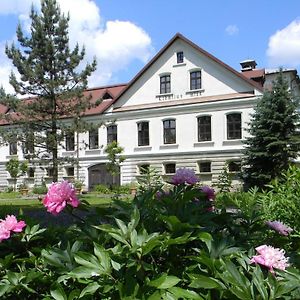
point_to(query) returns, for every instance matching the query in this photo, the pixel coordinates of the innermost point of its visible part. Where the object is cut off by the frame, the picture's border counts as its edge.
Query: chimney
(248, 65)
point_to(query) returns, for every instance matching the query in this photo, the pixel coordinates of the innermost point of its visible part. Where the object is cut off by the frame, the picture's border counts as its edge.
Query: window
(29, 144)
(70, 171)
(234, 166)
(165, 84)
(50, 172)
(112, 134)
(180, 57)
(169, 131)
(205, 167)
(195, 80)
(204, 128)
(234, 126)
(170, 168)
(143, 133)
(144, 169)
(13, 148)
(70, 141)
(93, 139)
(30, 172)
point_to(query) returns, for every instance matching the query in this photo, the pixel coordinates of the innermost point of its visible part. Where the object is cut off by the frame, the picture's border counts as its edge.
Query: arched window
(234, 126)
(169, 131)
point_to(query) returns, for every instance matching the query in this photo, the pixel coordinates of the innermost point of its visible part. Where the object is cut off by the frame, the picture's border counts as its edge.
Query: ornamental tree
(274, 141)
(51, 74)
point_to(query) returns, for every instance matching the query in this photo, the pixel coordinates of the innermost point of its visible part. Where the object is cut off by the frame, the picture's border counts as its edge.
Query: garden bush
(165, 245)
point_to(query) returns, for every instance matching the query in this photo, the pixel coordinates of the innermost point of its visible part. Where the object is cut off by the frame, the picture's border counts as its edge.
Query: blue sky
(125, 34)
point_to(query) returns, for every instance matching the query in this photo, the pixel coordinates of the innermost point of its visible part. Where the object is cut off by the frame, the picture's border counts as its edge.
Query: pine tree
(274, 141)
(50, 73)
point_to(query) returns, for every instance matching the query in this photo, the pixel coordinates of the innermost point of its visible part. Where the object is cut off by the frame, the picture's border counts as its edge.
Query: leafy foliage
(274, 140)
(164, 245)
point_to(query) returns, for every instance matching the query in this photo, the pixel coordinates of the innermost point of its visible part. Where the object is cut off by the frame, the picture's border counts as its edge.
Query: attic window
(180, 57)
(10, 110)
(107, 96)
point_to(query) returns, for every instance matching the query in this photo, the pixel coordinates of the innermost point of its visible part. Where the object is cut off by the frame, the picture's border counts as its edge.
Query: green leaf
(185, 294)
(89, 289)
(164, 282)
(58, 293)
(205, 282)
(103, 257)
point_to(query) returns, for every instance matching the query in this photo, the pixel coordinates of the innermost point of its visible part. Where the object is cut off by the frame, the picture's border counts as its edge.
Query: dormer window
(180, 57)
(165, 84)
(107, 96)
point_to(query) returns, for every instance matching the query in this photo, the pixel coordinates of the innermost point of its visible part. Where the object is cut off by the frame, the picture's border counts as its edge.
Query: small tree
(53, 74)
(114, 151)
(224, 183)
(15, 168)
(274, 141)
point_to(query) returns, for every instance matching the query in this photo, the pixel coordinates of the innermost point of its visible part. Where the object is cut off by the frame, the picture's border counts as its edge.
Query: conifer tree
(274, 141)
(52, 75)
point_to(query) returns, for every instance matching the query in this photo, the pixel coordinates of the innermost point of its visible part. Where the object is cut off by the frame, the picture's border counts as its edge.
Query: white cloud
(114, 43)
(232, 30)
(284, 46)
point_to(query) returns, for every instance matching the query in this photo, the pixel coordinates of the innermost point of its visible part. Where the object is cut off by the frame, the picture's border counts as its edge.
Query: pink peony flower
(270, 257)
(279, 227)
(59, 195)
(4, 232)
(8, 225)
(210, 192)
(184, 175)
(12, 224)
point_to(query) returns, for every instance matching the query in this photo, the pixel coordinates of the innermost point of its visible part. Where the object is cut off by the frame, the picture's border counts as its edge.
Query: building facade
(185, 108)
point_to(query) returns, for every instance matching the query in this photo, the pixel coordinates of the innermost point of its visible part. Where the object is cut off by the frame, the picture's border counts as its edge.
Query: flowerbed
(179, 243)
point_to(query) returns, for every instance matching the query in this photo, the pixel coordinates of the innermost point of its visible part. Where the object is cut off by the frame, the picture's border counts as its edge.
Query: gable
(216, 77)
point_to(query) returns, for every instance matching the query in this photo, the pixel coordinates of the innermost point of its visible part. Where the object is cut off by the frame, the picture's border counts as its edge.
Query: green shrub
(39, 189)
(282, 200)
(101, 189)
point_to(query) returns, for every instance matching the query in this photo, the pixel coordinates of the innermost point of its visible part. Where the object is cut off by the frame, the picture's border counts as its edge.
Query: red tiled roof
(95, 93)
(256, 73)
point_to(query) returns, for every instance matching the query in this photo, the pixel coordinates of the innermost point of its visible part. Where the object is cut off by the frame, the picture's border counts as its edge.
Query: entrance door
(98, 174)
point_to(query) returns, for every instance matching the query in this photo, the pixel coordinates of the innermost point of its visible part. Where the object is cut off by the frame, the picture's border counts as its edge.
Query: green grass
(14, 199)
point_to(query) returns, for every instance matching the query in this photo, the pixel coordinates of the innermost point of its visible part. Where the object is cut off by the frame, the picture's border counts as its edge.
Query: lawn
(13, 202)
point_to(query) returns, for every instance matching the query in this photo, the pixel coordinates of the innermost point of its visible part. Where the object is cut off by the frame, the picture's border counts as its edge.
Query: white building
(185, 108)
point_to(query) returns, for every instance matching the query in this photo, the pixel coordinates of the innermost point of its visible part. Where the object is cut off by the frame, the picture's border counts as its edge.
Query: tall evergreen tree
(52, 73)
(274, 141)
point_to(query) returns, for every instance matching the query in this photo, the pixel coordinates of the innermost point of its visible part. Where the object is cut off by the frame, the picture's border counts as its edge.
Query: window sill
(167, 96)
(68, 153)
(204, 144)
(204, 173)
(194, 93)
(12, 156)
(143, 148)
(179, 65)
(93, 151)
(169, 146)
(232, 142)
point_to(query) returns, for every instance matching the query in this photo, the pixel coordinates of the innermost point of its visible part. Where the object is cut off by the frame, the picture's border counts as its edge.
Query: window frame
(143, 133)
(195, 82)
(201, 171)
(70, 141)
(207, 129)
(165, 83)
(94, 139)
(112, 133)
(180, 57)
(234, 162)
(169, 133)
(167, 165)
(13, 148)
(234, 127)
